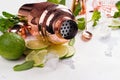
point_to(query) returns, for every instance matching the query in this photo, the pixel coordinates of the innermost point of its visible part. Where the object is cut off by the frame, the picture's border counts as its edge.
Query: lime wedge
(38, 56)
(71, 51)
(36, 44)
(60, 50)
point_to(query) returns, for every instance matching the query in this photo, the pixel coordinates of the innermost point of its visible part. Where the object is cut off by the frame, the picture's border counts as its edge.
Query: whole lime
(12, 46)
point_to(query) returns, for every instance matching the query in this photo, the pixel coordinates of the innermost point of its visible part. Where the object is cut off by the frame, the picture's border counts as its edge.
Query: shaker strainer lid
(68, 29)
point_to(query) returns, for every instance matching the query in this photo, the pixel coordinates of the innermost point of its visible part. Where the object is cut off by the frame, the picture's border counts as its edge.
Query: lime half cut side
(36, 44)
(60, 50)
(38, 56)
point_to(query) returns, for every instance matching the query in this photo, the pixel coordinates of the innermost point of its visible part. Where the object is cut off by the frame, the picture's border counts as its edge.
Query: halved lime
(38, 56)
(36, 44)
(60, 50)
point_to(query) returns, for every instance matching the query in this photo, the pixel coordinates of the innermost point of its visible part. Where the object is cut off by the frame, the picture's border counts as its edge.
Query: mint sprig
(118, 5)
(81, 23)
(57, 1)
(95, 17)
(117, 14)
(77, 9)
(24, 66)
(9, 20)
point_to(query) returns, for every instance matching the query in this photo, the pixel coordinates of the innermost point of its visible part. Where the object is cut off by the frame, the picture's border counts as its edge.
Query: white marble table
(89, 63)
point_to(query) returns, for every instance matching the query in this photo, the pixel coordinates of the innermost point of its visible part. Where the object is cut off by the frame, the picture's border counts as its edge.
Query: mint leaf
(116, 15)
(77, 9)
(24, 66)
(94, 23)
(5, 24)
(9, 20)
(114, 27)
(57, 1)
(118, 5)
(81, 23)
(54, 1)
(95, 17)
(7, 15)
(62, 2)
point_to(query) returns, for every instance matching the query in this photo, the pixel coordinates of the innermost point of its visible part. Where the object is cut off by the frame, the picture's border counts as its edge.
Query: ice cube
(68, 62)
(52, 61)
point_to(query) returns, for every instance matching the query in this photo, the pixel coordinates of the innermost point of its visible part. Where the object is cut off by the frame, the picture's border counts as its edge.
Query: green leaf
(94, 23)
(54, 1)
(7, 15)
(62, 2)
(77, 9)
(114, 27)
(95, 17)
(9, 20)
(81, 23)
(3, 23)
(24, 66)
(118, 5)
(57, 1)
(116, 15)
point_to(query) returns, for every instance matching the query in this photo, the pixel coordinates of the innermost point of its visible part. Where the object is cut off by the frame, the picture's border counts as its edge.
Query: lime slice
(36, 44)
(60, 50)
(38, 56)
(115, 24)
(71, 51)
(71, 42)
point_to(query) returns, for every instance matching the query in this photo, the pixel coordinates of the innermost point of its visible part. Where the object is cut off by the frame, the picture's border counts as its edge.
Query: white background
(90, 61)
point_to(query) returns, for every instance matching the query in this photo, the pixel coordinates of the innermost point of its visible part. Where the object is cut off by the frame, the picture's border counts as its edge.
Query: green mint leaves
(24, 66)
(95, 17)
(117, 14)
(118, 5)
(9, 20)
(57, 1)
(81, 23)
(77, 9)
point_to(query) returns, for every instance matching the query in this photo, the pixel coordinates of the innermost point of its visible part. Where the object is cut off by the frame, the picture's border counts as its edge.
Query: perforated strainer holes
(68, 29)
(65, 29)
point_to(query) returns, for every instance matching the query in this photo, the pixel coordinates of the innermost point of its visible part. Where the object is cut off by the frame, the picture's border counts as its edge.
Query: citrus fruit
(71, 51)
(12, 46)
(36, 44)
(38, 56)
(60, 50)
(115, 24)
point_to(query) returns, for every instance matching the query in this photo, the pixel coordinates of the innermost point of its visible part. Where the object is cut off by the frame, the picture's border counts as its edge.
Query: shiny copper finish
(86, 36)
(47, 19)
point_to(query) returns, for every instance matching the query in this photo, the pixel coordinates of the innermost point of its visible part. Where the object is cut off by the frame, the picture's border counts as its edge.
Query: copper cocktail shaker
(56, 22)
